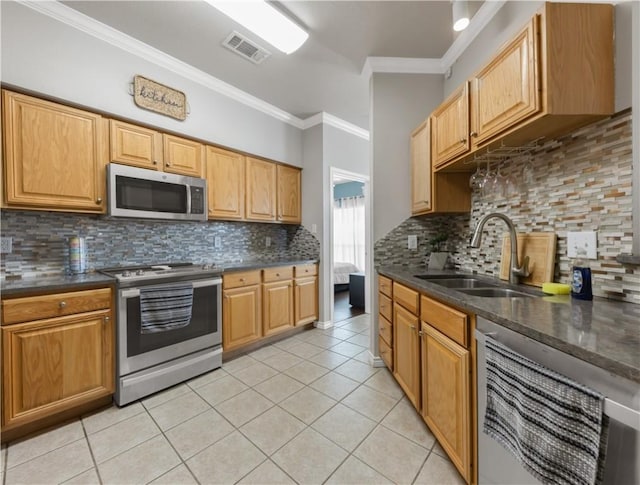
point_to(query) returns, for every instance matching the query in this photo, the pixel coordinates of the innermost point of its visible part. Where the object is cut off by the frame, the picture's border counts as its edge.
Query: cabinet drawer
(385, 306)
(48, 306)
(408, 298)
(386, 354)
(385, 285)
(385, 330)
(306, 270)
(451, 322)
(277, 274)
(245, 278)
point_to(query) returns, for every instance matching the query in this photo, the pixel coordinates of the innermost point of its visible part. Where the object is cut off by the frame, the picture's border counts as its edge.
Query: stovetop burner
(172, 271)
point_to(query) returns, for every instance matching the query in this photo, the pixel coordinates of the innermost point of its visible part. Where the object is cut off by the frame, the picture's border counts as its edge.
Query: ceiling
(325, 74)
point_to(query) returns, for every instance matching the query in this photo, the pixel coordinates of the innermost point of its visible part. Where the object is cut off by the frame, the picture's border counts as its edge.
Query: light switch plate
(412, 242)
(314, 228)
(267, 241)
(586, 240)
(217, 241)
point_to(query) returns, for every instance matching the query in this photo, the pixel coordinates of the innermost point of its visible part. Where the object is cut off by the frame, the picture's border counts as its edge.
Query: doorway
(348, 244)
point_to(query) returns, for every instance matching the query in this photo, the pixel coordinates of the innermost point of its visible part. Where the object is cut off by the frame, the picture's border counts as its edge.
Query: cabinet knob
(413, 327)
(463, 140)
(241, 280)
(167, 164)
(306, 270)
(99, 200)
(421, 333)
(62, 304)
(473, 133)
(106, 319)
(155, 162)
(277, 274)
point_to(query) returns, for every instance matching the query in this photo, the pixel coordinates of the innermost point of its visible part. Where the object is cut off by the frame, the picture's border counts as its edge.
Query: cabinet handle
(62, 304)
(473, 133)
(463, 140)
(241, 280)
(167, 164)
(99, 200)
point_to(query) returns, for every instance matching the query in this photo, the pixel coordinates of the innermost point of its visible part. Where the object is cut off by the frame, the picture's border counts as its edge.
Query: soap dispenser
(581, 277)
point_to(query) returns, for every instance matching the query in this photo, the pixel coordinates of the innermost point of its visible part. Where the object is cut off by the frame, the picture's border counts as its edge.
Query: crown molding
(405, 65)
(118, 39)
(329, 119)
(478, 22)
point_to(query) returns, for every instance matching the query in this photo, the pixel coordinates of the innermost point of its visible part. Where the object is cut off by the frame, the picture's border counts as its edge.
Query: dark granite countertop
(63, 281)
(603, 332)
(60, 282)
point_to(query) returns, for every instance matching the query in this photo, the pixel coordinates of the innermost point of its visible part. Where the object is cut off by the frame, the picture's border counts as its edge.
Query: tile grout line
(93, 458)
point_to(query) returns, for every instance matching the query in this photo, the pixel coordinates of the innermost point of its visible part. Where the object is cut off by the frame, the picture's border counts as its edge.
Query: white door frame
(364, 179)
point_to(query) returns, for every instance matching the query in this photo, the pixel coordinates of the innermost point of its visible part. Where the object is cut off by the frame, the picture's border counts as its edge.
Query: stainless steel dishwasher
(497, 466)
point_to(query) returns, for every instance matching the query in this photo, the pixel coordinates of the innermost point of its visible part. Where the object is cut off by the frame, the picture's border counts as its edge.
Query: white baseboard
(375, 361)
(323, 325)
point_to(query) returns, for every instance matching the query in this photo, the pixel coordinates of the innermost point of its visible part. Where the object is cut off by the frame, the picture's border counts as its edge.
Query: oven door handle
(133, 292)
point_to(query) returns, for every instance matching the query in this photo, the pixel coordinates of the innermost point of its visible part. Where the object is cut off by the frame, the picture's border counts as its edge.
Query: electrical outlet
(6, 245)
(583, 244)
(267, 241)
(412, 242)
(217, 241)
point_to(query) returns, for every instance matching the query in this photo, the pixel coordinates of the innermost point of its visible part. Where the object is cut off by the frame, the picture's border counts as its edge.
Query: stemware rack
(504, 152)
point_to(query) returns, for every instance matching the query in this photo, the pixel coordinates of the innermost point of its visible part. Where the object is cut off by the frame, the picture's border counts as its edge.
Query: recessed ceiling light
(265, 21)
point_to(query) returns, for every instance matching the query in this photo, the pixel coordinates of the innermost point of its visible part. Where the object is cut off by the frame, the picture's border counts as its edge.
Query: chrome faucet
(516, 272)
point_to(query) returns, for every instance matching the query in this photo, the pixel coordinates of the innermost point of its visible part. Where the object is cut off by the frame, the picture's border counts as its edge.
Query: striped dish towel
(165, 308)
(554, 426)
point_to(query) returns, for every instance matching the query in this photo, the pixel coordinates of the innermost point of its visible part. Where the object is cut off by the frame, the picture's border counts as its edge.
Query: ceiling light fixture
(265, 21)
(460, 15)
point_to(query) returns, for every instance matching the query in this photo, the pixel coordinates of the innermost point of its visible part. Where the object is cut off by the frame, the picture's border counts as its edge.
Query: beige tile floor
(308, 409)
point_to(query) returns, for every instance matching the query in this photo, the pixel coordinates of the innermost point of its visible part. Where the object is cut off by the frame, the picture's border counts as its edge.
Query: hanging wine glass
(489, 182)
(527, 173)
(511, 184)
(476, 177)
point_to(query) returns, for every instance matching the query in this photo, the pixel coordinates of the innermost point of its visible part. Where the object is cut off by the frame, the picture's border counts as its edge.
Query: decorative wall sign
(157, 97)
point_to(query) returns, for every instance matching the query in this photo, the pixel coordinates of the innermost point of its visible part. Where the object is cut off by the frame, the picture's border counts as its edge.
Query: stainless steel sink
(463, 283)
(440, 276)
(495, 293)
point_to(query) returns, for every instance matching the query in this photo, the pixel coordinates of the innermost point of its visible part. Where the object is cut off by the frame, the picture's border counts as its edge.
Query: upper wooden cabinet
(147, 148)
(225, 183)
(54, 156)
(261, 190)
(554, 76)
(450, 136)
(135, 145)
(506, 90)
(288, 181)
(434, 192)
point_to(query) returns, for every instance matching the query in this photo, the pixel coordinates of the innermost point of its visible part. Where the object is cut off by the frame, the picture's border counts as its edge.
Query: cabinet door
(241, 316)
(225, 184)
(55, 156)
(421, 169)
(135, 145)
(406, 352)
(261, 190)
(183, 157)
(289, 208)
(306, 300)
(446, 404)
(506, 90)
(52, 365)
(450, 127)
(277, 306)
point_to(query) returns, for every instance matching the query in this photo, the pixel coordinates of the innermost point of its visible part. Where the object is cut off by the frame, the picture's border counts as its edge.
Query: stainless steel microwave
(138, 192)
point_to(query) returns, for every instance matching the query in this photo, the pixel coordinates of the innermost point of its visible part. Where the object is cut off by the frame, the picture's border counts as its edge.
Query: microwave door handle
(188, 198)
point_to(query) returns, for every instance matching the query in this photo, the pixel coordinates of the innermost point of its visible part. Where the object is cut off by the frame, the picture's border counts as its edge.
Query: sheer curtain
(348, 231)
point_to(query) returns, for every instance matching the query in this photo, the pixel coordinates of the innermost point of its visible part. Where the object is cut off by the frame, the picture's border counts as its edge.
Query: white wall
(400, 102)
(345, 151)
(51, 58)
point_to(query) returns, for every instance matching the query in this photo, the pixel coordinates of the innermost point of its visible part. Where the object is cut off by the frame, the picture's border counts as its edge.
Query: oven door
(137, 351)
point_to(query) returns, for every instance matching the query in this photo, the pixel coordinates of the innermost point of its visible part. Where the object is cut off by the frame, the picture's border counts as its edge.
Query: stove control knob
(140, 272)
(126, 273)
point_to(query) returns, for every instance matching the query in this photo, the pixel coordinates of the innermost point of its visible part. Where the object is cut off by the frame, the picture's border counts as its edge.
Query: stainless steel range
(169, 326)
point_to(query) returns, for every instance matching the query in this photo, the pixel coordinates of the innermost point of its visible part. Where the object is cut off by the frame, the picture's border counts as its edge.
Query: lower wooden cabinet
(445, 389)
(260, 303)
(406, 352)
(62, 360)
(241, 309)
(277, 299)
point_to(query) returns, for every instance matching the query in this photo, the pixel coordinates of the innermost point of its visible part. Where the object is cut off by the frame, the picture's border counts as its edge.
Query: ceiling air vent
(246, 48)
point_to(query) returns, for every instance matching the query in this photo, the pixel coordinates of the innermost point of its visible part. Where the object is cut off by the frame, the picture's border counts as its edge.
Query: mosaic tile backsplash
(581, 182)
(40, 242)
